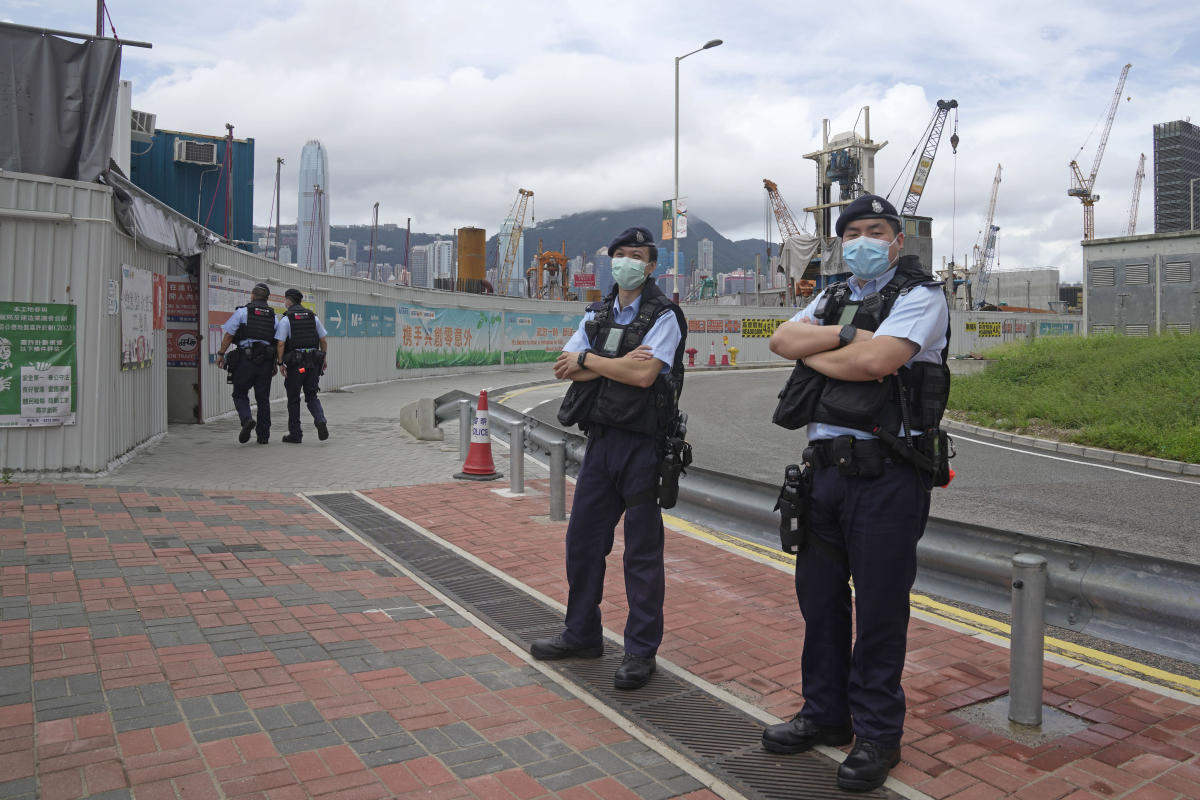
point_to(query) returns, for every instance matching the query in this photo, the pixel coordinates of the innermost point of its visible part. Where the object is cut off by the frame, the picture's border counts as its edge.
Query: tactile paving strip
(719, 738)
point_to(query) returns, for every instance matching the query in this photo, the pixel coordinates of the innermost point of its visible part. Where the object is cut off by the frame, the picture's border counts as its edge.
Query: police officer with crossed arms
(873, 346)
(625, 362)
(301, 352)
(251, 362)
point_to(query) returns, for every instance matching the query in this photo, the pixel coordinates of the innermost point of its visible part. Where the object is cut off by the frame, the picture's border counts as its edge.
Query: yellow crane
(1082, 187)
(517, 215)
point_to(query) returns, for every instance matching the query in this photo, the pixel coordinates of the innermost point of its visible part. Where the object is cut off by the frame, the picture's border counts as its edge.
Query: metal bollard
(465, 421)
(1027, 653)
(558, 480)
(516, 457)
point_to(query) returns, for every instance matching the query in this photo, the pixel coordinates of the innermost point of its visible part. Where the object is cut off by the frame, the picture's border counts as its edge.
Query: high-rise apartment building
(312, 228)
(704, 262)
(441, 254)
(1176, 176)
(419, 266)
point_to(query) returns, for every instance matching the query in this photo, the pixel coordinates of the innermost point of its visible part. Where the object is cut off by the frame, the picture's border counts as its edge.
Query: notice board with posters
(37, 364)
(137, 317)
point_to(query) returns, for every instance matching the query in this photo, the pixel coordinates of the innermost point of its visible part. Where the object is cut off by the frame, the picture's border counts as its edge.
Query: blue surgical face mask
(867, 258)
(629, 273)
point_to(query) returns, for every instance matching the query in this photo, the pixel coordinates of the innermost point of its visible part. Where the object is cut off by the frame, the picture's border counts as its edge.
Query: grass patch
(1137, 395)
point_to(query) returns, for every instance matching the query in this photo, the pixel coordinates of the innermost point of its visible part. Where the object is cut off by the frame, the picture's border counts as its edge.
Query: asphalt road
(996, 484)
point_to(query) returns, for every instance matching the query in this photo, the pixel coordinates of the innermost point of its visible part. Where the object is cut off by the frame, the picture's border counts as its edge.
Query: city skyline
(312, 208)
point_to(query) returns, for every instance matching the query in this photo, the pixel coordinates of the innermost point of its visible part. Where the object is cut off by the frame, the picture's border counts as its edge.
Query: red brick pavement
(733, 621)
(82, 755)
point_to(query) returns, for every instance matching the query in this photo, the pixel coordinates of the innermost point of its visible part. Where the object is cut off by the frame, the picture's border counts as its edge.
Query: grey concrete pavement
(367, 447)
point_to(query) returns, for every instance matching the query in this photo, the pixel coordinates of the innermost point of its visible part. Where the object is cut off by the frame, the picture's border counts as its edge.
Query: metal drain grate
(718, 737)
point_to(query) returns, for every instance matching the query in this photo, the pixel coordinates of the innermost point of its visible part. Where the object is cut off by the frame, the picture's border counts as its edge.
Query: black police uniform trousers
(293, 383)
(246, 376)
(618, 464)
(876, 523)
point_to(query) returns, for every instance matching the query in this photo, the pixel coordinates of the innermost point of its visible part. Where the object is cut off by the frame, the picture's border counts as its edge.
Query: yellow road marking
(519, 392)
(963, 618)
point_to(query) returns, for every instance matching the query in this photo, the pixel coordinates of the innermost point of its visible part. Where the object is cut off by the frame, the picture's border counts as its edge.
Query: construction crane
(985, 251)
(1137, 195)
(550, 277)
(1082, 187)
(783, 215)
(517, 215)
(931, 139)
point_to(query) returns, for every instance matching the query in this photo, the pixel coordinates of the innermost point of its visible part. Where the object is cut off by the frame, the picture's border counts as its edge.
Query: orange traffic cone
(712, 353)
(479, 465)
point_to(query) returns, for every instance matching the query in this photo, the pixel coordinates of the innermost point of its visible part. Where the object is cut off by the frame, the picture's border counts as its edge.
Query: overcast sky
(441, 110)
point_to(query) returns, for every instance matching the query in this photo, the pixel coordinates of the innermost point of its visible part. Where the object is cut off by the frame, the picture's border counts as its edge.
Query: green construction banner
(37, 364)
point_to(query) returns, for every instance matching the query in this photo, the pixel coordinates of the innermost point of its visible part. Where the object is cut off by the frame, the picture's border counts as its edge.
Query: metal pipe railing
(1137, 600)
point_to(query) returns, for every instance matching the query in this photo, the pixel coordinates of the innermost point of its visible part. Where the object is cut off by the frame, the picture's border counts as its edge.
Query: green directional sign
(336, 319)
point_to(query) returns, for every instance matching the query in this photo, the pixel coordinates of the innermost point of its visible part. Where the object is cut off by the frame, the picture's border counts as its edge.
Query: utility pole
(278, 204)
(374, 228)
(407, 248)
(99, 18)
(228, 178)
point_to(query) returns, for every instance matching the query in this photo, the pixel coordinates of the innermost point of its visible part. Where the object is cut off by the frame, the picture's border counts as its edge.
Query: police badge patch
(877, 206)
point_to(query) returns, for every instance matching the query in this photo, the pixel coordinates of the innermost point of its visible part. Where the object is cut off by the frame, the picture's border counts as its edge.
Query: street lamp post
(675, 205)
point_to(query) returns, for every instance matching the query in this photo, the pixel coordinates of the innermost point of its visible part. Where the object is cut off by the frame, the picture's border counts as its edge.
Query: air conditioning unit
(190, 151)
(141, 128)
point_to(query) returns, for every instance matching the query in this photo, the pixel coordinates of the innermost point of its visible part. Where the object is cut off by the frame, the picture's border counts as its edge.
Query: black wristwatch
(582, 356)
(846, 335)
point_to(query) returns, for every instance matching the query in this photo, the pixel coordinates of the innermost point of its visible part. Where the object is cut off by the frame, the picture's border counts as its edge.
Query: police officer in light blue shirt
(250, 330)
(868, 504)
(626, 357)
(301, 352)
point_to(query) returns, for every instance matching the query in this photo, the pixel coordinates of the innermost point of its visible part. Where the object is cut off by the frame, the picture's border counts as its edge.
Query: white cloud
(440, 111)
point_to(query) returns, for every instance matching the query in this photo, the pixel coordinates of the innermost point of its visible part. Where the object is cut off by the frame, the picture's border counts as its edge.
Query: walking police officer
(301, 351)
(873, 353)
(625, 362)
(251, 362)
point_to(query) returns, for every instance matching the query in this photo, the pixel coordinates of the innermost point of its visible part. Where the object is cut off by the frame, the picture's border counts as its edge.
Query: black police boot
(867, 766)
(247, 429)
(800, 734)
(287, 437)
(634, 672)
(322, 431)
(557, 647)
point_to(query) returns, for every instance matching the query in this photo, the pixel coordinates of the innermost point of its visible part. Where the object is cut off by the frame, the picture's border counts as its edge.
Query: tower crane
(1137, 194)
(517, 215)
(931, 139)
(985, 252)
(1082, 187)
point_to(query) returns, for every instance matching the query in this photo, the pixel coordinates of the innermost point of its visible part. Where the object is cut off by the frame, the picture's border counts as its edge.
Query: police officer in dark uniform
(301, 352)
(873, 352)
(251, 331)
(625, 362)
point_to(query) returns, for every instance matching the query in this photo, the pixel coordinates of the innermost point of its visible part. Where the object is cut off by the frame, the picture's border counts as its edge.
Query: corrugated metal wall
(67, 255)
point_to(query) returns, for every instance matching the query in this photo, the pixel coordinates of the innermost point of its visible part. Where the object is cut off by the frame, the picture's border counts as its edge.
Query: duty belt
(844, 450)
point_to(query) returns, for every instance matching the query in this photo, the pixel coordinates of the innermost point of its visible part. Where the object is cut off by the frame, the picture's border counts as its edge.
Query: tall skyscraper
(312, 227)
(704, 263)
(1176, 176)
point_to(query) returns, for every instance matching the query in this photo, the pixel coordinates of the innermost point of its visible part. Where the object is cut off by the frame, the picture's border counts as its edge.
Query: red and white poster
(183, 321)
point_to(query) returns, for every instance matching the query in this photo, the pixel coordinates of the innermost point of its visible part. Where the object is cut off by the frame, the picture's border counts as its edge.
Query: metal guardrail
(1136, 600)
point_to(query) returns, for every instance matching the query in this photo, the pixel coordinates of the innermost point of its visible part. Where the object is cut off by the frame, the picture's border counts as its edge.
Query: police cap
(263, 287)
(869, 206)
(636, 236)
(295, 295)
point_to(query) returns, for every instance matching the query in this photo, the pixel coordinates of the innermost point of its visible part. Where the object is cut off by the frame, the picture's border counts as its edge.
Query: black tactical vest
(867, 405)
(650, 410)
(259, 324)
(303, 334)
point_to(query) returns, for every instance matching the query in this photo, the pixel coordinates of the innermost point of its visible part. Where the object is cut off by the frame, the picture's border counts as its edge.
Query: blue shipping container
(186, 171)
